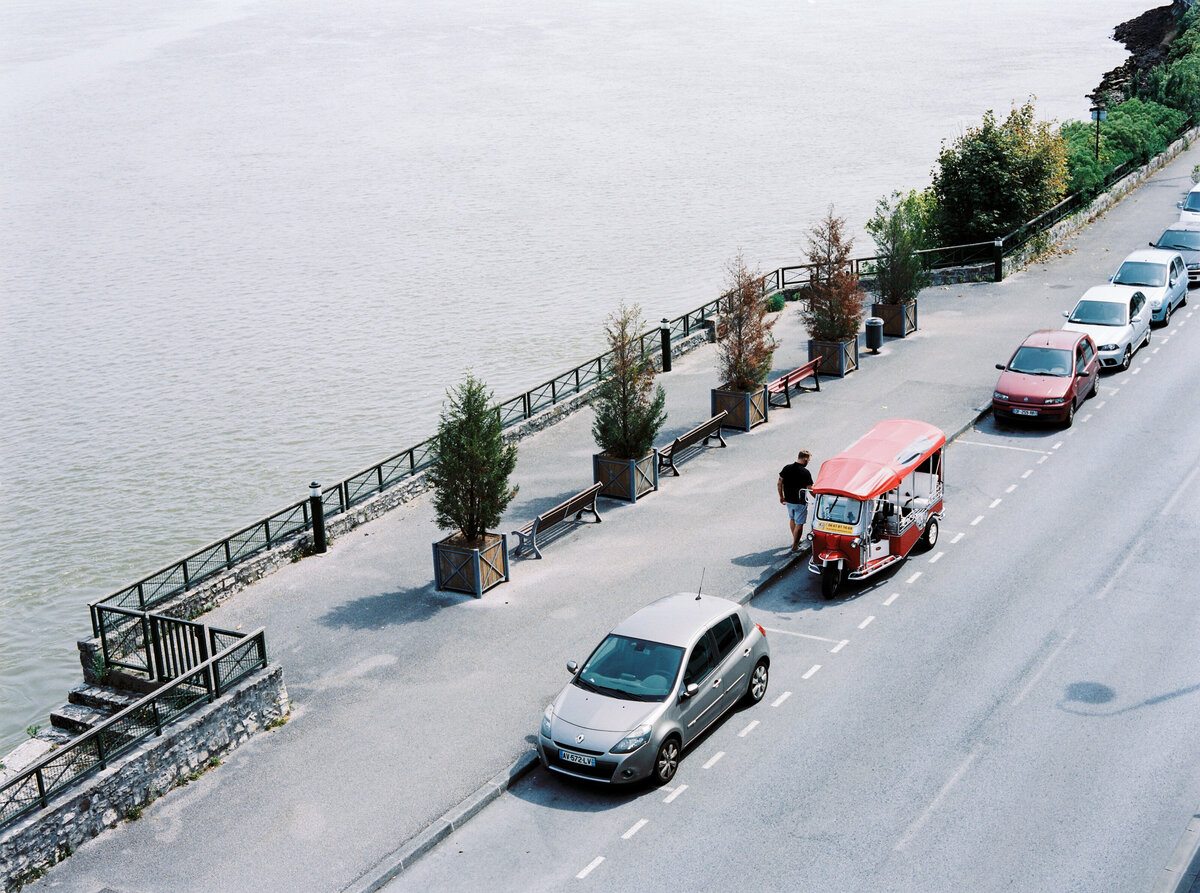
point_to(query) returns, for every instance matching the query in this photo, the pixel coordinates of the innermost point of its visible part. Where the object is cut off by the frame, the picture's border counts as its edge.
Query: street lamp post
(1099, 113)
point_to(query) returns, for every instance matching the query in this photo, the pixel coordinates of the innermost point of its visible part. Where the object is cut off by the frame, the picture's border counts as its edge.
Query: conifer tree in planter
(629, 411)
(833, 311)
(745, 347)
(898, 229)
(471, 490)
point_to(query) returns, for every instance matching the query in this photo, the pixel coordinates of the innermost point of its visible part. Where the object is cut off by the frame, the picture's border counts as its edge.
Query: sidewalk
(408, 700)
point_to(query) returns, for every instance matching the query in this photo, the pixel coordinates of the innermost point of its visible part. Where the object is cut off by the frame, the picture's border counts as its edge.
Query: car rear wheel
(667, 761)
(1095, 387)
(830, 578)
(758, 682)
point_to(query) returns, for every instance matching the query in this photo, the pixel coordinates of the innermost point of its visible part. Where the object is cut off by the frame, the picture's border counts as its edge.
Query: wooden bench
(783, 384)
(584, 501)
(704, 432)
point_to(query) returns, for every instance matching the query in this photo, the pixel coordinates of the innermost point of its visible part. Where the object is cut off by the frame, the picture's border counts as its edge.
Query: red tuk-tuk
(877, 501)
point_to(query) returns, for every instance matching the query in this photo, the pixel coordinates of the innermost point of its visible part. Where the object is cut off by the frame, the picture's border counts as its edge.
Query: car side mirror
(1000, 366)
(1135, 320)
(1179, 205)
(1151, 244)
(1066, 314)
(690, 690)
(572, 667)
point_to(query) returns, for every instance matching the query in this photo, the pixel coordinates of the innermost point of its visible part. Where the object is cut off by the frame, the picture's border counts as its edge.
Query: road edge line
(1183, 867)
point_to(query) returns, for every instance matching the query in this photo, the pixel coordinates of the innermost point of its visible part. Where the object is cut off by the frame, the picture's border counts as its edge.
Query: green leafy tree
(1136, 130)
(745, 345)
(470, 476)
(834, 309)
(629, 406)
(898, 230)
(997, 176)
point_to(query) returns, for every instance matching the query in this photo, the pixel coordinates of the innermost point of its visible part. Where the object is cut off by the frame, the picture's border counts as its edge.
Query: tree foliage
(997, 176)
(470, 476)
(898, 230)
(629, 406)
(745, 345)
(834, 309)
(1136, 130)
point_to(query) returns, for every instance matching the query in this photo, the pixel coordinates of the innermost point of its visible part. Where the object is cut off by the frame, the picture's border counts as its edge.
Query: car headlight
(996, 395)
(1107, 347)
(1156, 303)
(1195, 266)
(633, 740)
(1055, 400)
(546, 717)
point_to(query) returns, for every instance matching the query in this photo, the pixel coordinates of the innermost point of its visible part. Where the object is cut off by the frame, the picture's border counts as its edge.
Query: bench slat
(583, 501)
(785, 383)
(703, 432)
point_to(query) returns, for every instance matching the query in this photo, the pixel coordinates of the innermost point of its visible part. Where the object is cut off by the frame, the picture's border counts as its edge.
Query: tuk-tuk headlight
(856, 542)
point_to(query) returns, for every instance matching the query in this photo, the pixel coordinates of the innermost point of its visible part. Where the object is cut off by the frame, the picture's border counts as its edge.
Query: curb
(388, 868)
(1183, 867)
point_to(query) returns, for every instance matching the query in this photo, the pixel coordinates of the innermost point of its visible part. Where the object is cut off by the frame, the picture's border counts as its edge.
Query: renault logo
(579, 739)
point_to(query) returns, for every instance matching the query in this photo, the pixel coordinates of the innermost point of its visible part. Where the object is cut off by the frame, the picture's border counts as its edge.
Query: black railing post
(998, 260)
(665, 331)
(316, 508)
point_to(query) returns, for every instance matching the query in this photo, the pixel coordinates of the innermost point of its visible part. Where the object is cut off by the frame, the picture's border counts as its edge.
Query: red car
(1048, 378)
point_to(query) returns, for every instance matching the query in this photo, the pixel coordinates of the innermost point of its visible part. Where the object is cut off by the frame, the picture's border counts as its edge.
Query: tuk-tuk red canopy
(879, 460)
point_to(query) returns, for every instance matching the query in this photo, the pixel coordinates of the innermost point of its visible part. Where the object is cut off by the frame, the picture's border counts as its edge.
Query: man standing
(794, 481)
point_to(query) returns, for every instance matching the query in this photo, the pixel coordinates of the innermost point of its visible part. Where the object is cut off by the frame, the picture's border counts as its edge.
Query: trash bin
(874, 333)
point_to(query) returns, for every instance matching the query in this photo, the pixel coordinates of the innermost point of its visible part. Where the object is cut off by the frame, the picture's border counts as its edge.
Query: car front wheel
(1069, 420)
(1127, 359)
(667, 761)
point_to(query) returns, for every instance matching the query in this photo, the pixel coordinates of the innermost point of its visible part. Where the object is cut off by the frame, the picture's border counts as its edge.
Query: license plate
(579, 759)
(1024, 412)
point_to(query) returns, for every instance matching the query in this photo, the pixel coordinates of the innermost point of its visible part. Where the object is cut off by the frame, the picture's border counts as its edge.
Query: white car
(1158, 274)
(1189, 208)
(1118, 319)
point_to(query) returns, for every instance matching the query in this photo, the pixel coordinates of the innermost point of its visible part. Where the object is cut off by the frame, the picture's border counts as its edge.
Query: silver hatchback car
(652, 687)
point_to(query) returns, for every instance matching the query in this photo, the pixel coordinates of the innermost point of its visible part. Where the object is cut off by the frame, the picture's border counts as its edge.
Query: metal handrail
(95, 748)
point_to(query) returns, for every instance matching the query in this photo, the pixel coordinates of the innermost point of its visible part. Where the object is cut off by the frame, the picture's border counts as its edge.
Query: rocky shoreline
(1148, 38)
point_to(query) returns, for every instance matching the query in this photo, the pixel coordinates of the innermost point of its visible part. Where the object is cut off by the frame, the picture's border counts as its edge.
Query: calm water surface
(248, 243)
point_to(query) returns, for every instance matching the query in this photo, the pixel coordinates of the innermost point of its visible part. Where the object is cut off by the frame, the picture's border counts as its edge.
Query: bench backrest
(700, 432)
(574, 504)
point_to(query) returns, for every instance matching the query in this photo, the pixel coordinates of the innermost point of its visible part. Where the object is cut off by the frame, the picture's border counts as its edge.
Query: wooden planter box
(743, 409)
(462, 569)
(898, 319)
(837, 357)
(625, 479)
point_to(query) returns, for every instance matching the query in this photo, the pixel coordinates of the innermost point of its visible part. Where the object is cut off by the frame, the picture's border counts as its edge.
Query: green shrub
(898, 229)
(745, 345)
(776, 302)
(834, 310)
(1136, 130)
(629, 407)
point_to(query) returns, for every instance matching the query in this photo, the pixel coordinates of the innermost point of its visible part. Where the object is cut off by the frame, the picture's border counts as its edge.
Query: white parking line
(1057, 445)
(865, 624)
(891, 598)
(746, 731)
(936, 558)
(839, 646)
(588, 870)
(1027, 474)
(1088, 417)
(675, 793)
(998, 446)
(1157, 349)
(788, 632)
(995, 502)
(1011, 487)
(1043, 459)
(978, 518)
(1135, 371)
(811, 672)
(1100, 405)
(779, 700)
(713, 759)
(913, 578)
(637, 826)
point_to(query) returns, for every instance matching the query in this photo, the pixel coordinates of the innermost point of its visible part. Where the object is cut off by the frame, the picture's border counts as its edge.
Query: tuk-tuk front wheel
(930, 536)
(831, 576)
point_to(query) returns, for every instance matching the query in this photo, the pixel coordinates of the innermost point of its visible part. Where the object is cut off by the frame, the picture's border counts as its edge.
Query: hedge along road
(407, 700)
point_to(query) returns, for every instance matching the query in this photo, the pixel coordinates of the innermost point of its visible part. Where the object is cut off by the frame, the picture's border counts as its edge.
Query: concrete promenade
(407, 700)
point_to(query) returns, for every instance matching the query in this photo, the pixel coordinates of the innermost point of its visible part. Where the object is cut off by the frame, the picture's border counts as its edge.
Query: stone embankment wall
(187, 747)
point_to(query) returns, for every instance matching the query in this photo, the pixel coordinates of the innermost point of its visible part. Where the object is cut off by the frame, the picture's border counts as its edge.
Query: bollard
(998, 260)
(665, 330)
(317, 507)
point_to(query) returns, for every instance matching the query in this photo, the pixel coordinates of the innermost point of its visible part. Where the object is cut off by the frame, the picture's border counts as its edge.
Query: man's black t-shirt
(795, 478)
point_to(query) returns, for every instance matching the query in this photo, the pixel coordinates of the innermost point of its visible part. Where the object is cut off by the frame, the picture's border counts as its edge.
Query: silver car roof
(676, 619)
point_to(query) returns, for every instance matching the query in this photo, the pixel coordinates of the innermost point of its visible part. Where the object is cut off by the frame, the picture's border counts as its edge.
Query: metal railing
(94, 749)
(220, 556)
(155, 645)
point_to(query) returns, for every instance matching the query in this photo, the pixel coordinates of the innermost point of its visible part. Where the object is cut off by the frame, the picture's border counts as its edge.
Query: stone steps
(77, 719)
(100, 697)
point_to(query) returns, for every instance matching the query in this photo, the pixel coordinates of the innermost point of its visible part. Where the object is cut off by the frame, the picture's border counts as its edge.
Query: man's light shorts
(798, 512)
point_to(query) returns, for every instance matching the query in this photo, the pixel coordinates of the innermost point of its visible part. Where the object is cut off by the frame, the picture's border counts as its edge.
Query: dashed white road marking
(788, 632)
(812, 671)
(779, 700)
(978, 518)
(936, 558)
(1042, 669)
(913, 578)
(1027, 474)
(1057, 445)
(1087, 417)
(675, 793)
(958, 536)
(891, 598)
(1135, 371)
(1100, 405)
(995, 502)
(924, 817)
(1187, 482)
(637, 826)
(866, 622)
(1043, 459)
(746, 731)
(1011, 487)
(712, 761)
(840, 645)
(588, 870)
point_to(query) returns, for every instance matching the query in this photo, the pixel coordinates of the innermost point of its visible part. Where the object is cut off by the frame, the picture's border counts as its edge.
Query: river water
(246, 244)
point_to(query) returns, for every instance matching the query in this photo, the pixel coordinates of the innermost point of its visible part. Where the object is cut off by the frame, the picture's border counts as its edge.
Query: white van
(1189, 208)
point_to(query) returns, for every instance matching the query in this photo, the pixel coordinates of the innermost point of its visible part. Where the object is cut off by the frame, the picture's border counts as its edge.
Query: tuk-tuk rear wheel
(930, 536)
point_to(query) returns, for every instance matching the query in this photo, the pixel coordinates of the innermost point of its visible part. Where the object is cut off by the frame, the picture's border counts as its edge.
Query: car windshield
(1098, 313)
(1041, 361)
(1141, 273)
(839, 509)
(633, 669)
(1192, 203)
(1186, 239)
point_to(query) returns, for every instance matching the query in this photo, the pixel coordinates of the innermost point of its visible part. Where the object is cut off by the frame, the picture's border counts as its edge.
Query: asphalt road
(1017, 709)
